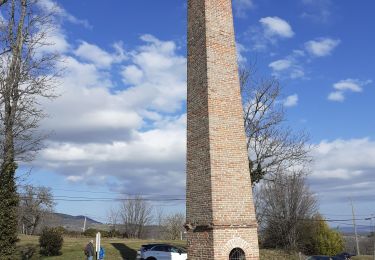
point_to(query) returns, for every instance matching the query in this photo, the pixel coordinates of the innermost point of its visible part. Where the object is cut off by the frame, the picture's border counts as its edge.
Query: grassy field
(116, 249)
(363, 257)
(120, 249)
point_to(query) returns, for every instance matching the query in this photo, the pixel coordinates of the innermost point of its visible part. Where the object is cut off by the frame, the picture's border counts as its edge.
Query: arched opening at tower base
(237, 254)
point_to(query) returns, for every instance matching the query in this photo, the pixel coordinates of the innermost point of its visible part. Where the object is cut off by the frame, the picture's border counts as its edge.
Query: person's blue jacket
(101, 253)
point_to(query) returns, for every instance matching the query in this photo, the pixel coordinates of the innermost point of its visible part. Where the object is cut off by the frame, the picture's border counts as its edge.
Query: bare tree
(286, 205)
(174, 225)
(26, 75)
(113, 218)
(136, 213)
(35, 204)
(271, 146)
(159, 218)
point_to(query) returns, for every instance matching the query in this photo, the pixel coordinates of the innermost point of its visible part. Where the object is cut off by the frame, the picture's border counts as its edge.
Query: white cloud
(350, 157)
(75, 178)
(276, 27)
(344, 86)
(165, 144)
(280, 65)
(297, 73)
(132, 74)
(291, 101)
(336, 96)
(57, 42)
(163, 86)
(241, 6)
(240, 53)
(53, 6)
(318, 11)
(92, 53)
(289, 67)
(321, 47)
(268, 32)
(133, 134)
(343, 168)
(353, 85)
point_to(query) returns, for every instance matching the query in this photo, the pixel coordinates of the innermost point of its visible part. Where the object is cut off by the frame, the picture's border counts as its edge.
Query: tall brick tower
(221, 219)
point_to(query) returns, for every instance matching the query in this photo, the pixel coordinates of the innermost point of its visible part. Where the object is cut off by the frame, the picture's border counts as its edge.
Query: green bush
(114, 233)
(91, 232)
(327, 241)
(51, 241)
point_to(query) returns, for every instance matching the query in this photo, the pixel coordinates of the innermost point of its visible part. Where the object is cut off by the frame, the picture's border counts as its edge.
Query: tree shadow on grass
(125, 251)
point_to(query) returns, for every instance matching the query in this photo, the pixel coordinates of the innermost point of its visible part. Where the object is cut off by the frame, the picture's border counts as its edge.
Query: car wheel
(151, 258)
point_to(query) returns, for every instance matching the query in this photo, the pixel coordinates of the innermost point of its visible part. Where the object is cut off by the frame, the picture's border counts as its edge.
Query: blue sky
(119, 124)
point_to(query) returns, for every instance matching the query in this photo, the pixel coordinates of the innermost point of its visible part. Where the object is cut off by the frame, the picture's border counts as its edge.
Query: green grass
(116, 249)
(363, 257)
(267, 254)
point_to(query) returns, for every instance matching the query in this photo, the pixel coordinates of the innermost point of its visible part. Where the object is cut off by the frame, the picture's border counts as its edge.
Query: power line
(111, 192)
(319, 220)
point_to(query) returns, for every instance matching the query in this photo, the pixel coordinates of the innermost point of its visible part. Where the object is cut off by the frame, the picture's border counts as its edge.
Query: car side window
(160, 248)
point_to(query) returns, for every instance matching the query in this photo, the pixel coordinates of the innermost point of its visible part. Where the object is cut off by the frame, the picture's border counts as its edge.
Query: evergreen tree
(8, 212)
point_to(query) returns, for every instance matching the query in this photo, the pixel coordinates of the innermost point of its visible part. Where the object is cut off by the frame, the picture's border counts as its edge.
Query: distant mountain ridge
(360, 229)
(70, 217)
(72, 223)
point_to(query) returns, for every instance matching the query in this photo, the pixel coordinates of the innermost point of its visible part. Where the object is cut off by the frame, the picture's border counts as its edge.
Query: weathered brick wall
(218, 180)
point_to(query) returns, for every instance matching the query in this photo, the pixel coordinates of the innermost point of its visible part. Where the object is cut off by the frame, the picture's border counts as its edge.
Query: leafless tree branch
(271, 145)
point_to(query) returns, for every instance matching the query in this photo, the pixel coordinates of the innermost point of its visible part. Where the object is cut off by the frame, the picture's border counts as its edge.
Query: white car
(161, 252)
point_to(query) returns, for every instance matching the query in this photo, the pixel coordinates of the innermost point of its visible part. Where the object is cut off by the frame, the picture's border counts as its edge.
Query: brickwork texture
(219, 198)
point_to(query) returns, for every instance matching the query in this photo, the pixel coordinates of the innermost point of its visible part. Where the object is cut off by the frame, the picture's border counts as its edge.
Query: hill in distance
(72, 223)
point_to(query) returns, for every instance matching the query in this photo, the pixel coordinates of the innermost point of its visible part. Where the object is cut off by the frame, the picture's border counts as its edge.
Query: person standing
(89, 250)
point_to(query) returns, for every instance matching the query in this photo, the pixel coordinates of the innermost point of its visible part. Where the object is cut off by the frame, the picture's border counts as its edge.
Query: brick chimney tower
(220, 218)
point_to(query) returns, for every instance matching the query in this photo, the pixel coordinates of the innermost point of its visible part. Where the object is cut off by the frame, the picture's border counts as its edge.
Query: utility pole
(84, 225)
(355, 227)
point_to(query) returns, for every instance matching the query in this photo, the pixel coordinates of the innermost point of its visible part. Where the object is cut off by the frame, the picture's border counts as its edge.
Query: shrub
(50, 242)
(326, 241)
(114, 233)
(91, 232)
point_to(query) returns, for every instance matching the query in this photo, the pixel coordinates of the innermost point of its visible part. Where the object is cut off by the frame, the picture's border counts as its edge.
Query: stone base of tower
(218, 243)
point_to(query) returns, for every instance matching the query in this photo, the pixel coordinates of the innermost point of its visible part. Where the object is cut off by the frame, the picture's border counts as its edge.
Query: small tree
(326, 240)
(35, 203)
(285, 205)
(136, 213)
(113, 219)
(174, 225)
(50, 242)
